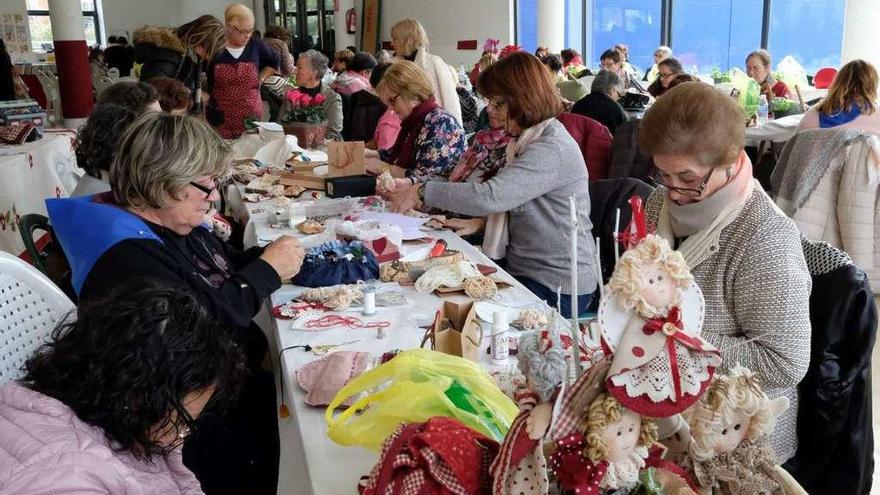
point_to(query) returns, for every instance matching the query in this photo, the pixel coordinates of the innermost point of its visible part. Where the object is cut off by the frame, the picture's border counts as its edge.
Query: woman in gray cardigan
(527, 202)
(745, 254)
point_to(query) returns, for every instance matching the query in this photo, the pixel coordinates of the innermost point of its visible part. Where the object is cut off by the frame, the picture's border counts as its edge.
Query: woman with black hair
(96, 145)
(104, 407)
(7, 74)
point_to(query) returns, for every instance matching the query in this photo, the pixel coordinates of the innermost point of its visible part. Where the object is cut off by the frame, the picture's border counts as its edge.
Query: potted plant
(305, 118)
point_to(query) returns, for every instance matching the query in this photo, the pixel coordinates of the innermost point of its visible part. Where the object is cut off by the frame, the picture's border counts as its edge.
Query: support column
(343, 39)
(860, 34)
(71, 60)
(551, 24)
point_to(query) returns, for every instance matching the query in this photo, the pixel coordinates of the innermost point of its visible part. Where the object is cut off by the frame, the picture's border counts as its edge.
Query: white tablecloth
(310, 462)
(774, 131)
(31, 173)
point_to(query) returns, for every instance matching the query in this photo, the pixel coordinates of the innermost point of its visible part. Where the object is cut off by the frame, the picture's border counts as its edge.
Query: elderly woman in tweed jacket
(745, 254)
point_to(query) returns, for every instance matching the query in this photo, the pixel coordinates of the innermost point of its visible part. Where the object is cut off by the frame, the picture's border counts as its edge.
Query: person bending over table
(430, 140)
(527, 201)
(745, 254)
(105, 405)
(163, 181)
(758, 68)
(851, 102)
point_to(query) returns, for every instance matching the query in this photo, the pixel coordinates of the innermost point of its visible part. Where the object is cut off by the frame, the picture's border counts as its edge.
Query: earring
(729, 172)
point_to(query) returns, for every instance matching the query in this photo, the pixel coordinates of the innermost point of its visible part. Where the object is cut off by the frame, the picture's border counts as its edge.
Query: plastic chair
(113, 72)
(30, 308)
(29, 224)
(824, 77)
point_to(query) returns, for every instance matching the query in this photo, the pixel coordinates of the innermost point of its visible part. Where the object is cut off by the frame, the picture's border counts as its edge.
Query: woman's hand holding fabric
(372, 165)
(285, 255)
(466, 226)
(404, 199)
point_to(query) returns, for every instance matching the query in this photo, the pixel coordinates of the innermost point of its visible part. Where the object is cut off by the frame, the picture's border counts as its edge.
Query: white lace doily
(654, 378)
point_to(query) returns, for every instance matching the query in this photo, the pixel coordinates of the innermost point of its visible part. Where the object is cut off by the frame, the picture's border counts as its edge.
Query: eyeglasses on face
(658, 179)
(497, 103)
(205, 189)
(243, 32)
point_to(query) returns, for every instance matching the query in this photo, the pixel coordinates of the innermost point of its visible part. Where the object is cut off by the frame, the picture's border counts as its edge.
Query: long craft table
(310, 462)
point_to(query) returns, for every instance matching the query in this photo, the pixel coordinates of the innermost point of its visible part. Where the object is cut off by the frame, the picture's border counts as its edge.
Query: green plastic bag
(419, 384)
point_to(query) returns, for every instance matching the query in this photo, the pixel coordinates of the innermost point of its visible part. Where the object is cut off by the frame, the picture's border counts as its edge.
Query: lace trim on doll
(625, 475)
(654, 378)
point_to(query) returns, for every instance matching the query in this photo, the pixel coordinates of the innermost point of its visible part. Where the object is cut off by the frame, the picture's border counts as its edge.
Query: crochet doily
(625, 475)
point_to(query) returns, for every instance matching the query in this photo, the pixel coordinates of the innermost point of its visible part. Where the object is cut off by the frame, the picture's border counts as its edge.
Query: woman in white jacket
(411, 42)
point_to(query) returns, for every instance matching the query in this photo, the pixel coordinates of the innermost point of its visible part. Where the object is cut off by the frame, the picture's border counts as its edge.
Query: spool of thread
(369, 300)
(500, 344)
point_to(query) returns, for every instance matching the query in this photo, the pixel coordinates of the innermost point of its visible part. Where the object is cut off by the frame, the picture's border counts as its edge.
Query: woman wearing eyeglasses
(667, 70)
(430, 140)
(105, 406)
(745, 254)
(163, 181)
(234, 77)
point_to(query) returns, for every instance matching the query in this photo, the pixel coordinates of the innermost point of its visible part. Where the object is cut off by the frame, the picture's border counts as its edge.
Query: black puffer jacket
(835, 433)
(162, 53)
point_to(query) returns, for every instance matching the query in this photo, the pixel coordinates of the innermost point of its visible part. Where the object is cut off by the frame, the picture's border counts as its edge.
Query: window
(41, 26)
(635, 23)
(715, 34)
(527, 25)
(809, 30)
(703, 34)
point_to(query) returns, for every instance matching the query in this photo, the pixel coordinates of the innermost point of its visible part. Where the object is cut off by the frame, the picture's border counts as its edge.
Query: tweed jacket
(757, 290)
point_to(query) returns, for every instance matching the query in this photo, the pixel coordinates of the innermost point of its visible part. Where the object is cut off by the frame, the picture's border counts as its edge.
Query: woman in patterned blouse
(430, 141)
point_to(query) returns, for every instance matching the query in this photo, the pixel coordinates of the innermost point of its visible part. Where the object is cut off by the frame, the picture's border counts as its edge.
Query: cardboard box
(356, 186)
(345, 158)
(304, 177)
(457, 331)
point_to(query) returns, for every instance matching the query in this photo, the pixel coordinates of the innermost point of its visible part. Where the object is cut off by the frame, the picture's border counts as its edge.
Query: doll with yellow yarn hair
(660, 364)
(729, 449)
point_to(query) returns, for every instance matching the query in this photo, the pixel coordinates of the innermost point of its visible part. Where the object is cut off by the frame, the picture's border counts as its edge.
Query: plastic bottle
(500, 343)
(763, 110)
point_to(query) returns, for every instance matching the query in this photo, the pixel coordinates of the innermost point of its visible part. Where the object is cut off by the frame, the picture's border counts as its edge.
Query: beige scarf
(496, 236)
(702, 222)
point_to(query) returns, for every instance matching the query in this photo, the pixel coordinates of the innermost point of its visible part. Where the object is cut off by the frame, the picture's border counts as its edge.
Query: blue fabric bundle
(337, 262)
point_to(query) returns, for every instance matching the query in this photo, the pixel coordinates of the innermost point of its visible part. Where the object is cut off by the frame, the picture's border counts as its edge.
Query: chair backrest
(626, 159)
(606, 196)
(30, 308)
(824, 77)
(834, 424)
(27, 225)
(113, 72)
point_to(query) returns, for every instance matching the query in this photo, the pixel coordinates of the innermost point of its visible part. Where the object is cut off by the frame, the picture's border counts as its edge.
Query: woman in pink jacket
(105, 405)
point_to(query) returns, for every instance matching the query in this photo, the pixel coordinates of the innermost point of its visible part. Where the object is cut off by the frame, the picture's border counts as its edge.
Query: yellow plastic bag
(419, 384)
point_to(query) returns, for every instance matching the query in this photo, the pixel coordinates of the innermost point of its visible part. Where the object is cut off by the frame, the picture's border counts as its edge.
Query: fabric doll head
(613, 432)
(649, 277)
(733, 409)
(542, 361)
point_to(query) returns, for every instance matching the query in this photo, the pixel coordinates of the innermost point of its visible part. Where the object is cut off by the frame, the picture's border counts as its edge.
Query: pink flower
(293, 96)
(318, 99)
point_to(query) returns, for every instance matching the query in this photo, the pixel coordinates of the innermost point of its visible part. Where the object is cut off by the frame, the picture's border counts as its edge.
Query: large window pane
(527, 24)
(635, 23)
(809, 30)
(715, 34)
(41, 31)
(38, 4)
(574, 24)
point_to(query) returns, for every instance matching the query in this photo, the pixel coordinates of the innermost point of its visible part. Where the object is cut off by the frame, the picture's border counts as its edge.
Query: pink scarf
(484, 142)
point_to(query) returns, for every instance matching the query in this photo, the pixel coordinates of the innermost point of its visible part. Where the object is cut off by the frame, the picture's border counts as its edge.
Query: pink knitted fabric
(323, 378)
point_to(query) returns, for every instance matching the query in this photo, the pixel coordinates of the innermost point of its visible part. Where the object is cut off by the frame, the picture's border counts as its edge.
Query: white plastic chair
(30, 308)
(113, 72)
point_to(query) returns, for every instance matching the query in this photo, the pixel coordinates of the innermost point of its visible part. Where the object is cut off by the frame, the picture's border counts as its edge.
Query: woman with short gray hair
(164, 180)
(601, 104)
(310, 69)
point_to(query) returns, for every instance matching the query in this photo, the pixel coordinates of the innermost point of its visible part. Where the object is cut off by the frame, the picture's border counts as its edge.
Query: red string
(330, 321)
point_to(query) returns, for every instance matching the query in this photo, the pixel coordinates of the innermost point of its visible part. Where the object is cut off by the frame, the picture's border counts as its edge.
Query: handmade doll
(729, 449)
(650, 319)
(520, 466)
(607, 453)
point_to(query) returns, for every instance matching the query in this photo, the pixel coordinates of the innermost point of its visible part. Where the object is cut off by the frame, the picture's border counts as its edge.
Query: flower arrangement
(305, 108)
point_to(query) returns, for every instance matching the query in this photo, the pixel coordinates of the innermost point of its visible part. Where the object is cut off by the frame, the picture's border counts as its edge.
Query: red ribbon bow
(672, 327)
(575, 472)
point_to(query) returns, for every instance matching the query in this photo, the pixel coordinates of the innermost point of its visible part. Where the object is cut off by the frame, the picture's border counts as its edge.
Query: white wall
(448, 21)
(129, 15)
(861, 36)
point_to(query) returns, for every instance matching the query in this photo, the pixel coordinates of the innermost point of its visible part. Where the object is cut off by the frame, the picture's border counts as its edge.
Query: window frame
(94, 14)
(666, 8)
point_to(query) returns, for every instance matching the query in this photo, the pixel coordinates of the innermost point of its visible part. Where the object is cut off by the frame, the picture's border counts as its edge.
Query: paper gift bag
(457, 331)
(346, 158)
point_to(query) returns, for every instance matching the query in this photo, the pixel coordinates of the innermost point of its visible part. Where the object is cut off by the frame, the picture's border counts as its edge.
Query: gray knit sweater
(534, 190)
(757, 290)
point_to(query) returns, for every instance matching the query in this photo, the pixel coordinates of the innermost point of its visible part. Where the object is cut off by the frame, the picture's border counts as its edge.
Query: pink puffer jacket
(46, 449)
